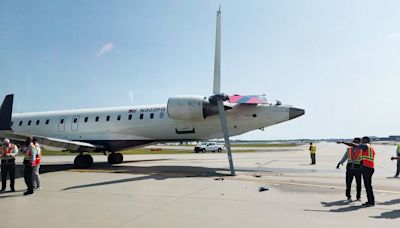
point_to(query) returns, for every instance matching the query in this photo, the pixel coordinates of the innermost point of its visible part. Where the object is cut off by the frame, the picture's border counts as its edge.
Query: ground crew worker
(36, 177)
(367, 169)
(29, 163)
(8, 153)
(313, 150)
(398, 160)
(353, 168)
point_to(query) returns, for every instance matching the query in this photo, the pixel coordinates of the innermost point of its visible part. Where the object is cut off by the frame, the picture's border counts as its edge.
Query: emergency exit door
(74, 123)
(61, 123)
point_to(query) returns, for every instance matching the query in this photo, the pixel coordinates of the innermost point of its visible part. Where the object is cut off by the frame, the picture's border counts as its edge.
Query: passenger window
(47, 121)
(62, 121)
(75, 120)
(119, 117)
(97, 119)
(141, 116)
(130, 117)
(29, 123)
(108, 118)
(20, 123)
(151, 115)
(37, 122)
(86, 119)
(161, 115)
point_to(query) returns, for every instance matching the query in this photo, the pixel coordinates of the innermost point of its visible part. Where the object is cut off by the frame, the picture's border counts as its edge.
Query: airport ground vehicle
(209, 146)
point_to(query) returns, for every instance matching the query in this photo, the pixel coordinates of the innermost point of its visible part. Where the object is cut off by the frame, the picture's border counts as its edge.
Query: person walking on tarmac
(313, 151)
(29, 164)
(398, 160)
(353, 168)
(8, 153)
(36, 177)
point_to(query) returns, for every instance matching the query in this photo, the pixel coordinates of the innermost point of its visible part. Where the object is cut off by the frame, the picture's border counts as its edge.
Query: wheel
(219, 150)
(213, 151)
(83, 161)
(119, 158)
(115, 158)
(203, 150)
(111, 159)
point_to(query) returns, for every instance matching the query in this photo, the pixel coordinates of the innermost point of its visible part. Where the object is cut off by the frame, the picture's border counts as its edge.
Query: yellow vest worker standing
(313, 151)
(29, 164)
(8, 153)
(398, 160)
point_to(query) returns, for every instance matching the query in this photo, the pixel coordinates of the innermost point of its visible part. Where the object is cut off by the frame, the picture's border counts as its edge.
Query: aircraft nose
(295, 112)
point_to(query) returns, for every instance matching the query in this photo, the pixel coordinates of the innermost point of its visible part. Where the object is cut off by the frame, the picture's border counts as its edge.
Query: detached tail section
(6, 112)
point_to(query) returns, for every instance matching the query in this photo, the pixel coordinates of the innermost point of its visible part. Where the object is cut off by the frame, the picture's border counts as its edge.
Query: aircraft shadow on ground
(159, 172)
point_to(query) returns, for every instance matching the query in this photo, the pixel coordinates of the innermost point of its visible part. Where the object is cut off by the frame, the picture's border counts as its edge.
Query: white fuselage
(127, 127)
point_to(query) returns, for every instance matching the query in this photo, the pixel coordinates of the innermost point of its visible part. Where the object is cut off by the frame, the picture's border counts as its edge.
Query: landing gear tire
(83, 161)
(219, 150)
(115, 158)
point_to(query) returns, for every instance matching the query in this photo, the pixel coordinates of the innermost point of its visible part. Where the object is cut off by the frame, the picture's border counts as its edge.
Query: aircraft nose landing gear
(83, 161)
(115, 158)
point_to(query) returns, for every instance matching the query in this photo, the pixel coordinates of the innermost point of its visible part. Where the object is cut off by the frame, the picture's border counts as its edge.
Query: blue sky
(339, 60)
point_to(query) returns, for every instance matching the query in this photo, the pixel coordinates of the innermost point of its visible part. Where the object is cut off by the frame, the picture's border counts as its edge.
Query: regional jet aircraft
(183, 118)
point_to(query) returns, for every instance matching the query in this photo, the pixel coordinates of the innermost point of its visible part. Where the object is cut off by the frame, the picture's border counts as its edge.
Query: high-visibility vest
(368, 156)
(354, 155)
(8, 151)
(398, 149)
(28, 153)
(38, 155)
(313, 149)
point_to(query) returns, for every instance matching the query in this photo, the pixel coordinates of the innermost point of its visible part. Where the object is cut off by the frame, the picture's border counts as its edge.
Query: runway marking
(306, 184)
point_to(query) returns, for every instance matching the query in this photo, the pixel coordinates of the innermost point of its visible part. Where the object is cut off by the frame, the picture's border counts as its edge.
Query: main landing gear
(115, 158)
(84, 161)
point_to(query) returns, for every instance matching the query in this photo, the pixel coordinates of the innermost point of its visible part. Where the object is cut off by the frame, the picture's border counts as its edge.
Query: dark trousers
(28, 177)
(350, 173)
(312, 158)
(7, 169)
(367, 177)
(398, 167)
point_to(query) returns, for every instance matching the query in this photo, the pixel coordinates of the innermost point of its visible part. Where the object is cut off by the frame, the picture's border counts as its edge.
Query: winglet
(6, 112)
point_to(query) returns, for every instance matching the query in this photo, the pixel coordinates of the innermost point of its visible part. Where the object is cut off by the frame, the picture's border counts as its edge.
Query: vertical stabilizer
(6, 112)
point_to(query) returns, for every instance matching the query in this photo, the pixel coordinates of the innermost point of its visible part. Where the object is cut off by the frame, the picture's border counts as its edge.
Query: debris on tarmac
(257, 175)
(219, 179)
(262, 189)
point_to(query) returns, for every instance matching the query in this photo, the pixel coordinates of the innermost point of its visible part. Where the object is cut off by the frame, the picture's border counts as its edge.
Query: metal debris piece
(261, 189)
(257, 175)
(219, 179)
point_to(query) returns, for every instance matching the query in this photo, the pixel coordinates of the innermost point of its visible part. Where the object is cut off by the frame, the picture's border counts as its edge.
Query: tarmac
(195, 190)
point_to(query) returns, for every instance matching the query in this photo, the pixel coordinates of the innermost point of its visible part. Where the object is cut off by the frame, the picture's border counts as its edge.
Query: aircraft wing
(248, 99)
(7, 132)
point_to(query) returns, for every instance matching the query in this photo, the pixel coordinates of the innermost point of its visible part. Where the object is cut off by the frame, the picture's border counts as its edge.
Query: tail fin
(6, 112)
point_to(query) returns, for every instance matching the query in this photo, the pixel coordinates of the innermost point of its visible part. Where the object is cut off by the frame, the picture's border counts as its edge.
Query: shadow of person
(336, 203)
(395, 214)
(346, 209)
(390, 202)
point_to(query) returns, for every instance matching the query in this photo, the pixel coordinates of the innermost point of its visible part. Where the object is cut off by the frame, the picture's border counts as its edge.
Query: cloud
(105, 49)
(395, 36)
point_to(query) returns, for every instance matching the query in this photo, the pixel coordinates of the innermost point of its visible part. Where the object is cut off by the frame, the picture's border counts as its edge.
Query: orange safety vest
(354, 156)
(368, 156)
(28, 153)
(10, 148)
(38, 157)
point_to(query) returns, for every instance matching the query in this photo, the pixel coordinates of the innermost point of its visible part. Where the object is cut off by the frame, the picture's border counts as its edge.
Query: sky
(339, 60)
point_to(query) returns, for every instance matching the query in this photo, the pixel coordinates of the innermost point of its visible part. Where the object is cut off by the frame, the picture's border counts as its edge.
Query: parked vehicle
(208, 146)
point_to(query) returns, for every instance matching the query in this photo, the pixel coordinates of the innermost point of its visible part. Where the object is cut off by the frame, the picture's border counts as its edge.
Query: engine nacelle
(190, 108)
